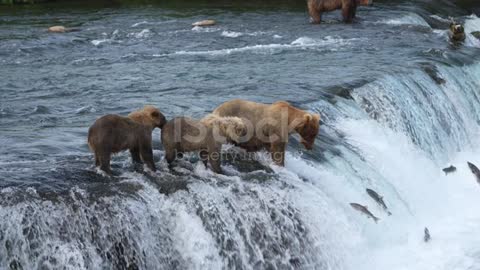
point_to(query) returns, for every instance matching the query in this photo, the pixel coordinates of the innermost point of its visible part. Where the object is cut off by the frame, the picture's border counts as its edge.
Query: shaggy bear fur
(348, 7)
(183, 134)
(114, 133)
(269, 125)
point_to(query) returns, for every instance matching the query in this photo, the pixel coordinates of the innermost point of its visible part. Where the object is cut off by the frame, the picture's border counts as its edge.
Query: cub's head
(149, 115)
(230, 127)
(308, 129)
(235, 128)
(456, 28)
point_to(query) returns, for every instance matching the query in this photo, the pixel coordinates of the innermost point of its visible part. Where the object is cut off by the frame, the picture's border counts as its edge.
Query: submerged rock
(204, 23)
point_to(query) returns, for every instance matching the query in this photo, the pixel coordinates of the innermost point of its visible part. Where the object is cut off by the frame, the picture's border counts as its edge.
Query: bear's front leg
(277, 150)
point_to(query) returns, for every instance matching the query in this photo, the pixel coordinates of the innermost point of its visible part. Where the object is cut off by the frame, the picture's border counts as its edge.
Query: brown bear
(269, 125)
(348, 7)
(183, 134)
(114, 133)
(457, 32)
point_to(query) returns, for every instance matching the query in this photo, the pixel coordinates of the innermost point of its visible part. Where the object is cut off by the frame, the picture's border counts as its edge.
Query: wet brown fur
(457, 32)
(114, 133)
(269, 125)
(183, 134)
(317, 7)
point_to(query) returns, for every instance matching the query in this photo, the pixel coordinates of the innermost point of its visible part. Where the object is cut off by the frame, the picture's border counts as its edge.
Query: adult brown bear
(114, 133)
(269, 125)
(348, 7)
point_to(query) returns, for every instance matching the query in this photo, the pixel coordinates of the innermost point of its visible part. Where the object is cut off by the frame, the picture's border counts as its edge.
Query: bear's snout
(307, 145)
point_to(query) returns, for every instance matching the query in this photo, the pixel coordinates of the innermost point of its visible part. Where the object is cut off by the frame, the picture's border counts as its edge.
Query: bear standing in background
(348, 7)
(114, 133)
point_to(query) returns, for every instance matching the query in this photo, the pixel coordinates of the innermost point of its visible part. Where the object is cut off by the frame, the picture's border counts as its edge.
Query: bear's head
(308, 129)
(230, 127)
(150, 116)
(235, 129)
(456, 28)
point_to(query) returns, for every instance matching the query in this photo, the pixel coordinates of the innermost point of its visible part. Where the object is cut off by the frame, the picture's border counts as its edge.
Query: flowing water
(398, 101)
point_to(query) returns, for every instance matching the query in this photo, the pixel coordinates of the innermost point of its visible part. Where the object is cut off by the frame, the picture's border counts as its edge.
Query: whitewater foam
(231, 34)
(410, 19)
(443, 204)
(302, 42)
(472, 24)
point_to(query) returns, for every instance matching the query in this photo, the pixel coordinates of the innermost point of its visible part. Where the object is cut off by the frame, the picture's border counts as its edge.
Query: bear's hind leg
(135, 155)
(214, 155)
(315, 15)
(146, 154)
(214, 159)
(348, 10)
(136, 160)
(97, 161)
(104, 161)
(169, 155)
(204, 157)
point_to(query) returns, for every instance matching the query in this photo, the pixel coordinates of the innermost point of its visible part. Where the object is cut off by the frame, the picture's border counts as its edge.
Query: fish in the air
(450, 169)
(378, 199)
(426, 236)
(363, 209)
(475, 171)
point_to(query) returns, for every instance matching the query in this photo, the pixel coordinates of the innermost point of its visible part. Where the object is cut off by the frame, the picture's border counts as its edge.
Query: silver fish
(475, 171)
(450, 169)
(378, 199)
(363, 209)
(426, 236)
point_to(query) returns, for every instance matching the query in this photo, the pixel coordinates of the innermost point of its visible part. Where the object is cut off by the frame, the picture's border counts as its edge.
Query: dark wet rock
(476, 34)
(15, 265)
(295, 262)
(433, 73)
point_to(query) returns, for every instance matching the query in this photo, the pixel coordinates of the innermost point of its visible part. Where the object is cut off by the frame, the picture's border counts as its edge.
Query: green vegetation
(11, 2)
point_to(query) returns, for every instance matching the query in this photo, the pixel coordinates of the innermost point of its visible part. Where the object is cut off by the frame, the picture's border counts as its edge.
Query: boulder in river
(57, 29)
(204, 23)
(476, 34)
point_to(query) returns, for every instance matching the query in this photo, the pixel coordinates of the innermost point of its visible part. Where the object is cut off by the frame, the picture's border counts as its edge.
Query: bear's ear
(307, 118)
(155, 114)
(304, 120)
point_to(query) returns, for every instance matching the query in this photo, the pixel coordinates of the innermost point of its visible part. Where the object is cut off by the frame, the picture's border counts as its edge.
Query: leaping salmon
(363, 209)
(378, 199)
